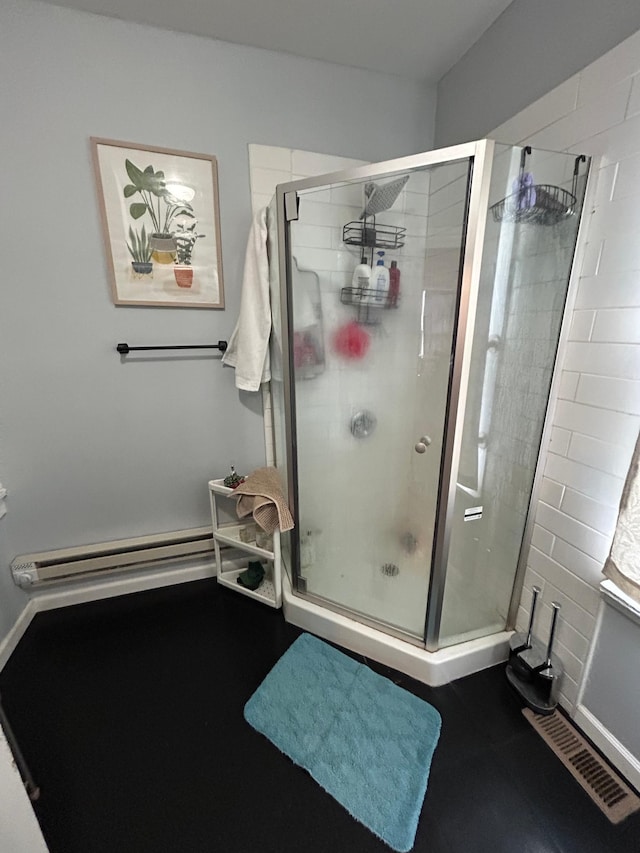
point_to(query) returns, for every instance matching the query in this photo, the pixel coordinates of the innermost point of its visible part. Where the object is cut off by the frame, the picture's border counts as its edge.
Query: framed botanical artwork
(161, 223)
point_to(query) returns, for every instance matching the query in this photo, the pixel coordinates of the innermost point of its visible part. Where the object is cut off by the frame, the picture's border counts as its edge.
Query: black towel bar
(123, 349)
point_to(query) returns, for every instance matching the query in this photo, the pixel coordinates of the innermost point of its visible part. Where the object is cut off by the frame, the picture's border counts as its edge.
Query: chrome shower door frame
(479, 154)
(468, 287)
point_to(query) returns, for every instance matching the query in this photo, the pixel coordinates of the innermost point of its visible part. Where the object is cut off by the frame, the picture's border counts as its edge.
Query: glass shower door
(523, 286)
(369, 366)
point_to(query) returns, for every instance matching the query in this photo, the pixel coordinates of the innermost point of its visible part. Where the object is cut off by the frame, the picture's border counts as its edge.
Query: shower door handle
(422, 445)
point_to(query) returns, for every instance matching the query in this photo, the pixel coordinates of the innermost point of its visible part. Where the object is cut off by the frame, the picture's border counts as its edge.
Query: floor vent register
(605, 787)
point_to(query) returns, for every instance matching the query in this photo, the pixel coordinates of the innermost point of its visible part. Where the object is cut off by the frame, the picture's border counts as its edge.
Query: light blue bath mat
(366, 741)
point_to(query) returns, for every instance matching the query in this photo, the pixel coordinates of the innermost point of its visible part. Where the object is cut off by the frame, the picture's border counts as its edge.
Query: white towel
(248, 349)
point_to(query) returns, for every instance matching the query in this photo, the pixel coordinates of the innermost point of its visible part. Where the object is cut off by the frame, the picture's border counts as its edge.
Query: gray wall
(530, 49)
(12, 599)
(92, 449)
(612, 673)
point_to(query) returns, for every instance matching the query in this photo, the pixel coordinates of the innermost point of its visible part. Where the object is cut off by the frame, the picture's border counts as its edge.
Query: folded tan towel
(261, 496)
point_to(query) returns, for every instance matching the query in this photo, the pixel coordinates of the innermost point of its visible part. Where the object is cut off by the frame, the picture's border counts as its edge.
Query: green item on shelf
(252, 577)
(233, 479)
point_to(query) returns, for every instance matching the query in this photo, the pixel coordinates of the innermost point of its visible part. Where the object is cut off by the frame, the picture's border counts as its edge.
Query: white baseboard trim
(14, 636)
(93, 590)
(616, 752)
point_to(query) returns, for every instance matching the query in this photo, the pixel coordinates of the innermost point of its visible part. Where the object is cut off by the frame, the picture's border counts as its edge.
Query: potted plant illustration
(140, 251)
(161, 204)
(185, 241)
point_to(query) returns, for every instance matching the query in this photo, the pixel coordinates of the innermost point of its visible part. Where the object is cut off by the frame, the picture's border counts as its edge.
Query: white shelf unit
(270, 590)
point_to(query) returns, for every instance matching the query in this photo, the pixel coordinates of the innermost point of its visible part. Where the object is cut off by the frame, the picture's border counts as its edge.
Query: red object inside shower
(351, 341)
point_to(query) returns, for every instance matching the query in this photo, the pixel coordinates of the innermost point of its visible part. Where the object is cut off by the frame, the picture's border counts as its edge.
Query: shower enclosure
(410, 458)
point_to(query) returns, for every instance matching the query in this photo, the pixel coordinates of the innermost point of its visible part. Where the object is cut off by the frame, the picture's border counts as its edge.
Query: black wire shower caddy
(369, 234)
(538, 204)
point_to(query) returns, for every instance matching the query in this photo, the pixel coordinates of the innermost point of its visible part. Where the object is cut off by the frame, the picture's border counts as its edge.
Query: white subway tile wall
(387, 383)
(598, 412)
(269, 166)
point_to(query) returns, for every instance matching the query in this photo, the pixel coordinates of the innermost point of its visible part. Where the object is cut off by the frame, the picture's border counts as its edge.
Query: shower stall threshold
(432, 668)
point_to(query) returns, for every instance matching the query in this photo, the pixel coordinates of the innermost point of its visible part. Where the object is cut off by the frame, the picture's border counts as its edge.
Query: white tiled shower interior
(270, 165)
(371, 525)
(598, 411)
(534, 264)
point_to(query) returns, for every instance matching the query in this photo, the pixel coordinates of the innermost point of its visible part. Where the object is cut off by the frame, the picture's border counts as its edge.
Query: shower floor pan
(432, 668)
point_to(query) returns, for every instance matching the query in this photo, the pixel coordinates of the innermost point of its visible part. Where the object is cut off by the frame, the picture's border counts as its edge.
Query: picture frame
(160, 216)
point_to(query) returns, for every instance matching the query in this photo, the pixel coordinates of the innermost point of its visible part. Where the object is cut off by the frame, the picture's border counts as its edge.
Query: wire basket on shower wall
(360, 296)
(538, 204)
(373, 235)
(552, 204)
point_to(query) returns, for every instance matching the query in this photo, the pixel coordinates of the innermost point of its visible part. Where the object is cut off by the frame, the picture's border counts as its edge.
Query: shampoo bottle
(361, 281)
(380, 281)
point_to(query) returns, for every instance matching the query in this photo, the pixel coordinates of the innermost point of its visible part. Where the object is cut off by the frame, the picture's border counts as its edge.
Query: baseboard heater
(30, 570)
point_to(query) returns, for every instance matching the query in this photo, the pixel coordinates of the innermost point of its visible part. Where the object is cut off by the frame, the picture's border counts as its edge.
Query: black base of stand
(532, 693)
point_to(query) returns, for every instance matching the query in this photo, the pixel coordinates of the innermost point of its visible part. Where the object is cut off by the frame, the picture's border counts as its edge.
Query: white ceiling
(421, 39)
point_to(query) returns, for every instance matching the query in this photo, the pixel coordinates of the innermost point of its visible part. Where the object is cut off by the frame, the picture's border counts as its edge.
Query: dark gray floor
(129, 712)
